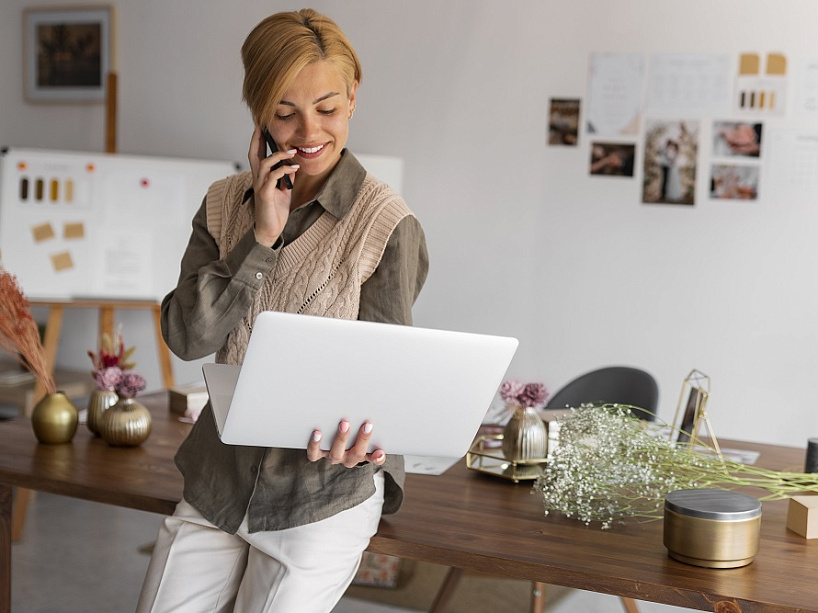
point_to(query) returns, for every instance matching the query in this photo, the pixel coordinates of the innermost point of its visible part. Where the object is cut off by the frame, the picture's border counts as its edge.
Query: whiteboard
(104, 226)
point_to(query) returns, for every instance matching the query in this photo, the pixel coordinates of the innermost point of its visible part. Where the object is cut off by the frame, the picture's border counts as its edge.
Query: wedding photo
(670, 162)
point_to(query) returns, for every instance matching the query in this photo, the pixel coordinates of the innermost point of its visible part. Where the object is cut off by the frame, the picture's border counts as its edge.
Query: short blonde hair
(279, 47)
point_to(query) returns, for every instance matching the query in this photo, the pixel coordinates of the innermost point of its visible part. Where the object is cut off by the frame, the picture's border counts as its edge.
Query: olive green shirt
(278, 488)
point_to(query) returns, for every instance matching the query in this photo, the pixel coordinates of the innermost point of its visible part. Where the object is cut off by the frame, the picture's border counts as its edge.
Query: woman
(274, 529)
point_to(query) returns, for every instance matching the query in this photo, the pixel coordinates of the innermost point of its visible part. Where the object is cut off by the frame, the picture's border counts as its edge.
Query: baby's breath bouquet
(609, 467)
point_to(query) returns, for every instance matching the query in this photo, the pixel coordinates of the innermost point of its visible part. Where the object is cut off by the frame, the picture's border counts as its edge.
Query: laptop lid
(425, 391)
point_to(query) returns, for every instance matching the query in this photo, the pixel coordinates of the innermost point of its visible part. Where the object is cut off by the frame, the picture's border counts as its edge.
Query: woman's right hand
(272, 205)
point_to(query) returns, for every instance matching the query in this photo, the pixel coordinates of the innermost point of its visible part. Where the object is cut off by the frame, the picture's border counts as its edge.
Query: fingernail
(316, 436)
(291, 151)
(380, 458)
(295, 165)
(344, 426)
(367, 428)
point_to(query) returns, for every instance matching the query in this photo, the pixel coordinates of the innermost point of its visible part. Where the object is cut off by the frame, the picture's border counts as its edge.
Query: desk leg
(537, 597)
(18, 513)
(5, 549)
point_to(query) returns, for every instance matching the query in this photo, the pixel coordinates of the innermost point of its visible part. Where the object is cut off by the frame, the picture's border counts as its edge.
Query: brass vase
(525, 436)
(126, 424)
(55, 419)
(99, 402)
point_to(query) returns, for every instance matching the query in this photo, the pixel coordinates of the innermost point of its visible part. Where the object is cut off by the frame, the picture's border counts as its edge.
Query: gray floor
(84, 557)
(66, 563)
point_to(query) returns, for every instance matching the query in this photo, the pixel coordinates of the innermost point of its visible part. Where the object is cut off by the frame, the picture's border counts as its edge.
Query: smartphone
(273, 148)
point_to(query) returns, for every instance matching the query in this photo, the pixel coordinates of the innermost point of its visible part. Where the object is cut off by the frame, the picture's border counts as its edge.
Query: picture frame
(67, 53)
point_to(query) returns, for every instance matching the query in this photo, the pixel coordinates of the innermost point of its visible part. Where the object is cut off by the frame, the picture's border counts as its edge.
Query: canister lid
(713, 504)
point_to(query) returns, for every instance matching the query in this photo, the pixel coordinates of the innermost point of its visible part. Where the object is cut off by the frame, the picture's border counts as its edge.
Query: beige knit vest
(319, 273)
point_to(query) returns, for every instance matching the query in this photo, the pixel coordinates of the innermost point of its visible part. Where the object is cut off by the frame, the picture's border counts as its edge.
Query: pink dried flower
(108, 378)
(533, 395)
(130, 385)
(511, 389)
(525, 394)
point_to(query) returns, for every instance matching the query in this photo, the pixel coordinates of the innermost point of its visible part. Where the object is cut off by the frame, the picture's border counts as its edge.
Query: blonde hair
(279, 47)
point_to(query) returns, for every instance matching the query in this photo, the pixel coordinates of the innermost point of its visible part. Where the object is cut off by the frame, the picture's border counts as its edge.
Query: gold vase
(99, 402)
(525, 436)
(126, 424)
(55, 419)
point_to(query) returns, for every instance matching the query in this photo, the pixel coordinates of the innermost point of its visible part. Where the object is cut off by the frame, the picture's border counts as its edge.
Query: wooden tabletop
(461, 518)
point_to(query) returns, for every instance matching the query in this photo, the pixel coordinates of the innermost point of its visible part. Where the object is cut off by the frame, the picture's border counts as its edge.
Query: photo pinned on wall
(563, 121)
(612, 159)
(671, 149)
(734, 182)
(736, 139)
(67, 53)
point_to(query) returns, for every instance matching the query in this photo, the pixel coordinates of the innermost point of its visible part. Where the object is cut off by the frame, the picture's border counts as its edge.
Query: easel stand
(106, 308)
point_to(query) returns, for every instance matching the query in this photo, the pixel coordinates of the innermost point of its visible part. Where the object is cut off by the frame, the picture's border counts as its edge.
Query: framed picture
(67, 53)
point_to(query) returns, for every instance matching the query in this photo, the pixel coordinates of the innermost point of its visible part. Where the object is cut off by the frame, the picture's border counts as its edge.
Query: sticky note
(776, 64)
(73, 230)
(62, 261)
(749, 63)
(42, 232)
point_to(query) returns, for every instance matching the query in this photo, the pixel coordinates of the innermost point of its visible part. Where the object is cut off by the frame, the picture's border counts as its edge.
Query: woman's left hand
(339, 453)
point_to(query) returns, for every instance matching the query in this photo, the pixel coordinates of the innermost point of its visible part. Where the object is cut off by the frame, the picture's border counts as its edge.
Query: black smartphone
(273, 148)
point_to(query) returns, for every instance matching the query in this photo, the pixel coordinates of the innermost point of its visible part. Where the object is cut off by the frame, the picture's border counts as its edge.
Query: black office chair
(612, 384)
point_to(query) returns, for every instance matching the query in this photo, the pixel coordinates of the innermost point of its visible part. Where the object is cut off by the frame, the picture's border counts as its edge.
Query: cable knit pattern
(319, 273)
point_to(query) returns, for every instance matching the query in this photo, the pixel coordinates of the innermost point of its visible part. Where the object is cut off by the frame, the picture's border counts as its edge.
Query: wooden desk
(461, 519)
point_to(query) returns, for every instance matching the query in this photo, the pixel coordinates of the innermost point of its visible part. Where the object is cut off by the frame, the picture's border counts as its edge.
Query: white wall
(522, 241)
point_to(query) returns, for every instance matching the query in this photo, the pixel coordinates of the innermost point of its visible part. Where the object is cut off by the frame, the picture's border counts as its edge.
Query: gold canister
(712, 528)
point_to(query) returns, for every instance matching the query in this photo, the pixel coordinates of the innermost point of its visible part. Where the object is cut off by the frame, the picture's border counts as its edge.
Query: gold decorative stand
(486, 456)
(690, 415)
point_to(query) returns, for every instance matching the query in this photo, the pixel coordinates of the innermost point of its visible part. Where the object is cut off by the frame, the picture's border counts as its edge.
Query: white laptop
(425, 391)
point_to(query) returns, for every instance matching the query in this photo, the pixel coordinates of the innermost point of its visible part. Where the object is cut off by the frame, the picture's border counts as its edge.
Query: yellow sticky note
(776, 64)
(749, 63)
(62, 261)
(73, 230)
(42, 232)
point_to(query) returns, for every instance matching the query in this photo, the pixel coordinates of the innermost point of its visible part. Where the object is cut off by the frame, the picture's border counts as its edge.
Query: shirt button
(253, 469)
(269, 260)
(259, 275)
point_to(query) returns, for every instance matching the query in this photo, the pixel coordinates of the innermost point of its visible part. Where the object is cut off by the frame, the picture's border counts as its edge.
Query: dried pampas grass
(19, 334)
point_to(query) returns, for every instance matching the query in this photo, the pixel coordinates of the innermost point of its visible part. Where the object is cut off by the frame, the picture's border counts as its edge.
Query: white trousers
(198, 568)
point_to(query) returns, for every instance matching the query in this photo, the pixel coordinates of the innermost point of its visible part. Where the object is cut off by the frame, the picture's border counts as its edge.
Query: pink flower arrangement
(112, 370)
(524, 394)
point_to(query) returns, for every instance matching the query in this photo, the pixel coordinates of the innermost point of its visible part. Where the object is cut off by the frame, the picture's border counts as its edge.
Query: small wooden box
(187, 397)
(802, 516)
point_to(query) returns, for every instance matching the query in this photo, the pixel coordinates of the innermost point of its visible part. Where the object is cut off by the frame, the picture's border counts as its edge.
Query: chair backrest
(613, 384)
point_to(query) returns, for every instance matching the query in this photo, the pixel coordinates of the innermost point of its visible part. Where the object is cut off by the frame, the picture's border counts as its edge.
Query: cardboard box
(802, 516)
(184, 398)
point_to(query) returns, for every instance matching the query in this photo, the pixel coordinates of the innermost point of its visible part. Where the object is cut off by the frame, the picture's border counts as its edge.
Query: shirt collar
(339, 190)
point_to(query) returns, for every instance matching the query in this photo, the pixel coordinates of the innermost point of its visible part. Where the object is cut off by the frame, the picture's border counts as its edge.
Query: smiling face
(313, 118)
